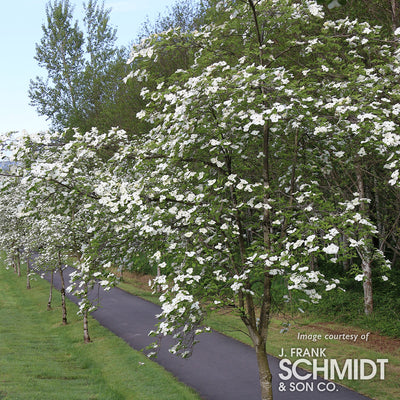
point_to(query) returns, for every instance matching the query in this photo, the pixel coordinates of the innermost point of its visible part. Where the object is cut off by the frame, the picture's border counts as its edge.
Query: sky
(21, 28)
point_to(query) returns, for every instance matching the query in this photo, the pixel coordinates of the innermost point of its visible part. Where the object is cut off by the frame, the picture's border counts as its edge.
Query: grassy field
(375, 347)
(40, 359)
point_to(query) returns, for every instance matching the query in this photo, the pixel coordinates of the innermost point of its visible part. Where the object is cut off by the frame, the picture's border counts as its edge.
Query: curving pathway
(220, 368)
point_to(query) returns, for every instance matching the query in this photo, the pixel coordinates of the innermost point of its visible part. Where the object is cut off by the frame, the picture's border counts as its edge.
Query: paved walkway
(220, 368)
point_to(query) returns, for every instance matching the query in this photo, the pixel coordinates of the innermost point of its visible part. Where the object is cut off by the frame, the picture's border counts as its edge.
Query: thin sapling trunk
(63, 303)
(51, 291)
(28, 270)
(86, 337)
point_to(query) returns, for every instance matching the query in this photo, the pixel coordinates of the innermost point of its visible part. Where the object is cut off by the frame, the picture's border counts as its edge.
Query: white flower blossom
(331, 249)
(359, 277)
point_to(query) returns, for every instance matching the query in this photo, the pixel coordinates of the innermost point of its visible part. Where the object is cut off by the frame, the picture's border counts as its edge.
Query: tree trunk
(367, 286)
(18, 261)
(379, 220)
(51, 291)
(14, 263)
(86, 337)
(158, 287)
(365, 258)
(63, 304)
(259, 340)
(28, 270)
(394, 14)
(347, 261)
(264, 372)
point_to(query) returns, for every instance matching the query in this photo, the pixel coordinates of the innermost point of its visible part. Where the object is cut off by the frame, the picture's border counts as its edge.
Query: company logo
(328, 369)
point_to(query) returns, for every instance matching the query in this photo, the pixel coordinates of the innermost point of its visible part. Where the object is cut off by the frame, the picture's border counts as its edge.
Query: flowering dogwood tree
(234, 171)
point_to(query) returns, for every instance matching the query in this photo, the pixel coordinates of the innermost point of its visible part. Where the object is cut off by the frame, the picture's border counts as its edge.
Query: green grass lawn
(40, 359)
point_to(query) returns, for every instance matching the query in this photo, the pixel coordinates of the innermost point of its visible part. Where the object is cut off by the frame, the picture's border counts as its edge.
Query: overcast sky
(20, 30)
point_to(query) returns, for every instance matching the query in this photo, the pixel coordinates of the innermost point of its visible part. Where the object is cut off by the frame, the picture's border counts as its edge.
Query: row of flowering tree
(261, 160)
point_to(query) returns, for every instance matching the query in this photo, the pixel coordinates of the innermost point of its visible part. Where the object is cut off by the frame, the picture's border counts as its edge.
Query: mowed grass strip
(40, 359)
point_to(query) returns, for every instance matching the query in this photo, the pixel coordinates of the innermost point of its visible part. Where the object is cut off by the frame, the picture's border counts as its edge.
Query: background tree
(84, 68)
(105, 65)
(60, 52)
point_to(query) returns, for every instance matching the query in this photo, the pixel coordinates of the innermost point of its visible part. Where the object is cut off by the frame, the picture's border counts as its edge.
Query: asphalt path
(220, 368)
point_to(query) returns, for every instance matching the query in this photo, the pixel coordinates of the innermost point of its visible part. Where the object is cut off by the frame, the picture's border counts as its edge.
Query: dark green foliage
(142, 265)
(347, 307)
